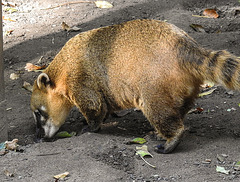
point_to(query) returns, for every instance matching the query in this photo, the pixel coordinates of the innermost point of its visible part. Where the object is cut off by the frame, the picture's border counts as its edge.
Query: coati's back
(142, 44)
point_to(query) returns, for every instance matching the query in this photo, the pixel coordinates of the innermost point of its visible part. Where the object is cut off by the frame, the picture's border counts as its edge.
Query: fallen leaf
(211, 13)
(61, 176)
(230, 92)
(222, 170)
(66, 27)
(8, 174)
(8, 32)
(27, 86)
(220, 158)
(8, 19)
(208, 160)
(197, 110)
(232, 109)
(197, 28)
(75, 29)
(31, 67)
(237, 166)
(10, 10)
(143, 151)
(224, 155)
(9, 4)
(65, 134)
(11, 145)
(137, 141)
(207, 84)
(14, 76)
(103, 4)
(207, 92)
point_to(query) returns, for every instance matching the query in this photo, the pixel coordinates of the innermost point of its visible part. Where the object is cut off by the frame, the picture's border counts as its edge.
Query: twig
(200, 16)
(147, 162)
(69, 3)
(49, 154)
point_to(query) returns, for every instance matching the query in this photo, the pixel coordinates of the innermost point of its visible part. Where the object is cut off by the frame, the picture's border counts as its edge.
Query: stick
(49, 154)
(200, 16)
(147, 162)
(69, 3)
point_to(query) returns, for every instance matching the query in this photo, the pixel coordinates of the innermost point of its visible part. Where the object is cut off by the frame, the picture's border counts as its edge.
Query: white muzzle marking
(50, 129)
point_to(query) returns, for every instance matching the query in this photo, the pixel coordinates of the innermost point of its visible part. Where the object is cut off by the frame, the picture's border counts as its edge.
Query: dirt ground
(37, 36)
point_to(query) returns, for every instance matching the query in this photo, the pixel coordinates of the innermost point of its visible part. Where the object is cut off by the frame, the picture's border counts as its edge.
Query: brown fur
(146, 64)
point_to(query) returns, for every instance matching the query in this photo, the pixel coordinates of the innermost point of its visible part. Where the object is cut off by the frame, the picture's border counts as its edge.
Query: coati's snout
(49, 108)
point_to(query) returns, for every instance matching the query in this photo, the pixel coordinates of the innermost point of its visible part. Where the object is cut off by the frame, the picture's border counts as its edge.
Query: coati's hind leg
(172, 130)
(167, 119)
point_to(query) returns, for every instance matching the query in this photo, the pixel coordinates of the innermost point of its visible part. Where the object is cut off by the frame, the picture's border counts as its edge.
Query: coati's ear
(43, 81)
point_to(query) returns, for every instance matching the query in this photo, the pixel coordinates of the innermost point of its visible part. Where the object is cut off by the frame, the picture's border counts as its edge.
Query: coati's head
(50, 108)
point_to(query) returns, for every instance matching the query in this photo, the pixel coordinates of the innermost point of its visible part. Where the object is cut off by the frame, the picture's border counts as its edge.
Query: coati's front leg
(94, 109)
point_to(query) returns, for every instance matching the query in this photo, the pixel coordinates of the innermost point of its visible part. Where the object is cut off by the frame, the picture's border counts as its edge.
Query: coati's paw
(86, 129)
(160, 149)
(167, 147)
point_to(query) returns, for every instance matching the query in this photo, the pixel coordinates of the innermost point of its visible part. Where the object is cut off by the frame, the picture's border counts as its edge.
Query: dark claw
(85, 129)
(160, 149)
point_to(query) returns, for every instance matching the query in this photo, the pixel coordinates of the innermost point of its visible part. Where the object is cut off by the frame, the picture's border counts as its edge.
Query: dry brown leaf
(8, 19)
(65, 26)
(10, 4)
(31, 67)
(14, 76)
(75, 29)
(11, 145)
(8, 32)
(211, 13)
(61, 176)
(8, 174)
(27, 86)
(103, 4)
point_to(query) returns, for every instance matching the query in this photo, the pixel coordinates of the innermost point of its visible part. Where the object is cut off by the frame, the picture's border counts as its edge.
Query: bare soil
(37, 36)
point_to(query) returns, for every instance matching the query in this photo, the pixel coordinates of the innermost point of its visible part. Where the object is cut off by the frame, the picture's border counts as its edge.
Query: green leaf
(65, 134)
(237, 166)
(137, 141)
(222, 170)
(143, 151)
(207, 92)
(238, 163)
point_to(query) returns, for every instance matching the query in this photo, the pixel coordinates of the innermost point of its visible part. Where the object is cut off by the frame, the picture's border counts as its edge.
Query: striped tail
(224, 68)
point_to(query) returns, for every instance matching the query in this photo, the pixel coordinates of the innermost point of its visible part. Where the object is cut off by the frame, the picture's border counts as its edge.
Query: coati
(146, 64)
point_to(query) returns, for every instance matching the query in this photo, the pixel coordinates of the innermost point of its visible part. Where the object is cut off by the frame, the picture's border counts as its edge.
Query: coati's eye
(41, 117)
(43, 113)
